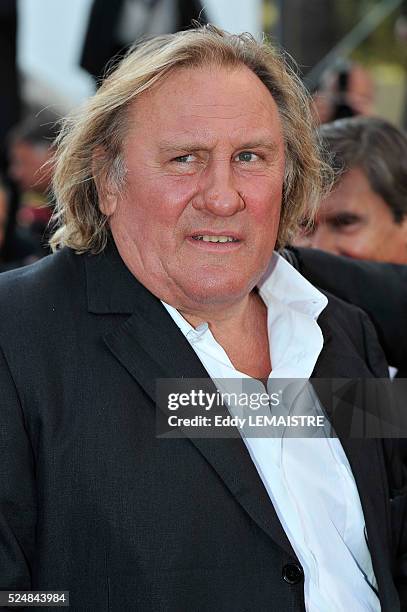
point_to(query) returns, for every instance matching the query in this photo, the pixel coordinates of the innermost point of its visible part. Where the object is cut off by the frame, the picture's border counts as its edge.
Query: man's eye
(184, 159)
(344, 221)
(247, 156)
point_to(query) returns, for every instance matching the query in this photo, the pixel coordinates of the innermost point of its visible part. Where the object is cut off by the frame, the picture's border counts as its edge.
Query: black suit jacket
(91, 501)
(100, 44)
(380, 289)
(10, 95)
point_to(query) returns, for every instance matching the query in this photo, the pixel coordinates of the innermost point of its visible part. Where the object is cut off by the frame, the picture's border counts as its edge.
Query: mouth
(209, 242)
(212, 238)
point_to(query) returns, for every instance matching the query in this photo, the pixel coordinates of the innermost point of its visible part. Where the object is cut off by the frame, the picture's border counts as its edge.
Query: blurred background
(51, 35)
(352, 54)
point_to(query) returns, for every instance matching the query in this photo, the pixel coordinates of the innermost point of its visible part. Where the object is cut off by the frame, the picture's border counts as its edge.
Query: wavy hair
(89, 143)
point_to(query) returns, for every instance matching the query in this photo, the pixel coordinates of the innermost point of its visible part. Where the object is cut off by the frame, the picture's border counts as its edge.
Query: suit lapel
(150, 346)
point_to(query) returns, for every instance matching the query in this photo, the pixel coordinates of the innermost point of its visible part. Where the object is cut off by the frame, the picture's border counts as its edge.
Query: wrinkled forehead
(205, 100)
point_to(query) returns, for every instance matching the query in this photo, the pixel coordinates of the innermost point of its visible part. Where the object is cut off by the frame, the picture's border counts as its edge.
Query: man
(193, 160)
(10, 103)
(30, 152)
(19, 249)
(114, 25)
(365, 216)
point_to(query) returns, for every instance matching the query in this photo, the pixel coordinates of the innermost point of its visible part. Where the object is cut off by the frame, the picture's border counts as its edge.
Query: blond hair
(101, 124)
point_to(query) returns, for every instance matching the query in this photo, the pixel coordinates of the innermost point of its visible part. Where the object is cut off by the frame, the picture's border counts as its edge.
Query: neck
(242, 332)
(225, 318)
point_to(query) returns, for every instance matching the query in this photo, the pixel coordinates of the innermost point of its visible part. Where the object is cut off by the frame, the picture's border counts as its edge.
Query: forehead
(353, 193)
(202, 100)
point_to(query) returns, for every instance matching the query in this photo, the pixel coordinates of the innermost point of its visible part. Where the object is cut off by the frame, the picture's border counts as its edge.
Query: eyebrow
(260, 144)
(340, 217)
(168, 145)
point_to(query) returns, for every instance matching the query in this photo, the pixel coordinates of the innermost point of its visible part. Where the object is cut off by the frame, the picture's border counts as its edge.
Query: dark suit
(380, 289)
(10, 95)
(100, 44)
(92, 502)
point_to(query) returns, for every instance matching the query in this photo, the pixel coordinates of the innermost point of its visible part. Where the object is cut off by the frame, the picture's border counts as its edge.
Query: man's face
(355, 221)
(198, 218)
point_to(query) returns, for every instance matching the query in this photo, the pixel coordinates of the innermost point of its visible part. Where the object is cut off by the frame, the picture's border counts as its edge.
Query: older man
(175, 183)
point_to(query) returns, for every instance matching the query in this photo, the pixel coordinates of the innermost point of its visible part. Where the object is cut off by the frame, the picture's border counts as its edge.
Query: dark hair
(375, 146)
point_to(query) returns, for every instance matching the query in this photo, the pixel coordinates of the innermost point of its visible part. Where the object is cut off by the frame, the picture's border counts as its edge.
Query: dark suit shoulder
(350, 325)
(342, 312)
(34, 284)
(379, 288)
(31, 296)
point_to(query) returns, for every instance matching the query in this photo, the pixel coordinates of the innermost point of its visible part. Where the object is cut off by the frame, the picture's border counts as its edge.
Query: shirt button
(292, 573)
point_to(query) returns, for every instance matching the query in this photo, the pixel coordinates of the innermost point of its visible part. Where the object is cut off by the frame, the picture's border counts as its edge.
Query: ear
(108, 203)
(106, 188)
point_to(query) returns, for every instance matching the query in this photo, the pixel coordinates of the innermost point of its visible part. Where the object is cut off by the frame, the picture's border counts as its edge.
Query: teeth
(216, 238)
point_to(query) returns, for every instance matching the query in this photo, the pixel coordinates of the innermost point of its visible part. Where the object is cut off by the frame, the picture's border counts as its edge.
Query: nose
(217, 192)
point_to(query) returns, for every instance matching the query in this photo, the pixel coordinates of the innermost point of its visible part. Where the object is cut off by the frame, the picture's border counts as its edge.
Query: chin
(219, 290)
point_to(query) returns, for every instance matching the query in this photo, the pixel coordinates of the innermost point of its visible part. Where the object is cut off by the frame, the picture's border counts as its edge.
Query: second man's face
(198, 218)
(356, 222)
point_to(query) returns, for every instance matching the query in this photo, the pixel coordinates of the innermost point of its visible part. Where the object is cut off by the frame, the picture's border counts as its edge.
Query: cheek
(264, 220)
(392, 244)
(162, 189)
(152, 206)
(360, 245)
(265, 207)
(369, 238)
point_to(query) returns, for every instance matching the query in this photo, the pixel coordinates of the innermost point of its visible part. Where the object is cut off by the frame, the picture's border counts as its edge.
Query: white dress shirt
(309, 480)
